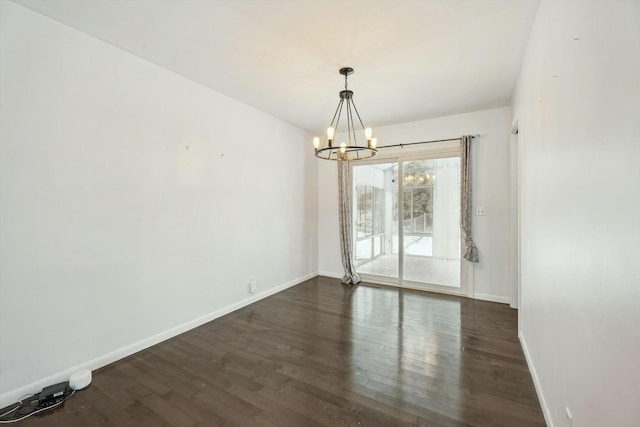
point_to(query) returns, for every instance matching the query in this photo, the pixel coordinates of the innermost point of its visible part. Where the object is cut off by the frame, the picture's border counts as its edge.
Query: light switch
(481, 211)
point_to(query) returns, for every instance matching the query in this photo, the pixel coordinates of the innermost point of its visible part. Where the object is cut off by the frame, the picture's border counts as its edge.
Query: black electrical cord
(23, 409)
(15, 406)
(19, 403)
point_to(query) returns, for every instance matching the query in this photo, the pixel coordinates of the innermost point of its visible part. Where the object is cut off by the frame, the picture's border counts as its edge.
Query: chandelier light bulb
(343, 147)
(316, 142)
(330, 133)
(374, 142)
(368, 132)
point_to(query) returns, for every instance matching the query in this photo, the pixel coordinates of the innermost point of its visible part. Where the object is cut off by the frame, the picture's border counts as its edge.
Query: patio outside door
(407, 222)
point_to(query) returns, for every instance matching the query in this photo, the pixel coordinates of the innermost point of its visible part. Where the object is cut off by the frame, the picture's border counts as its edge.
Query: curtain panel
(466, 208)
(345, 222)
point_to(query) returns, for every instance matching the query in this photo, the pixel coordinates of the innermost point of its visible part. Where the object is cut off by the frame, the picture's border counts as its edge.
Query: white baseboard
(536, 381)
(492, 298)
(12, 396)
(330, 274)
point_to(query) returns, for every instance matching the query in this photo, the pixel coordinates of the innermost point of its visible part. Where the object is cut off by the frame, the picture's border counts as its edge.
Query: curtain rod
(424, 142)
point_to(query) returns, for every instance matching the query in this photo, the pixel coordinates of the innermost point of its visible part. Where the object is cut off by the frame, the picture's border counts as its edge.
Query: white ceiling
(413, 59)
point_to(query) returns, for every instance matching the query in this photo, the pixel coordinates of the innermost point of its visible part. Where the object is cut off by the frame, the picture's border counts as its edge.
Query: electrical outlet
(253, 284)
(481, 211)
(568, 417)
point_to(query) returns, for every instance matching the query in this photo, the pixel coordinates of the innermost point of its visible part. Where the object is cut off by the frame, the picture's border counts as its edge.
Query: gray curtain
(466, 209)
(346, 220)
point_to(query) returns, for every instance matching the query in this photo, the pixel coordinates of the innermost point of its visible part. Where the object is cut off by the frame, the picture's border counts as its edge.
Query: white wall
(114, 235)
(578, 108)
(490, 183)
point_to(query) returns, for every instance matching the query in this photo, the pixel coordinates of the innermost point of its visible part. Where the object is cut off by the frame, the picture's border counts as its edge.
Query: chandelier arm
(358, 114)
(338, 118)
(349, 120)
(334, 114)
(353, 124)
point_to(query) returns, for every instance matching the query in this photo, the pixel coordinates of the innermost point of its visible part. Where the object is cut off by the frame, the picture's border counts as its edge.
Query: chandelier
(351, 150)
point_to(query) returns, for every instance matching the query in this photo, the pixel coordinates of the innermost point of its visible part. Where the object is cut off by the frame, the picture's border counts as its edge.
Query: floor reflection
(405, 347)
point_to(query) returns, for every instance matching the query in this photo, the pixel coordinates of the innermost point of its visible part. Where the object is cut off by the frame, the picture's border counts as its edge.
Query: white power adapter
(80, 379)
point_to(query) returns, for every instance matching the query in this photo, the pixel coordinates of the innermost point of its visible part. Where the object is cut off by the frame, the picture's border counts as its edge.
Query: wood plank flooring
(322, 354)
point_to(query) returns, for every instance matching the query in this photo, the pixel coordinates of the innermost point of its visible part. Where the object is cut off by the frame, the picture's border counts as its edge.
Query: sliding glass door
(431, 221)
(407, 222)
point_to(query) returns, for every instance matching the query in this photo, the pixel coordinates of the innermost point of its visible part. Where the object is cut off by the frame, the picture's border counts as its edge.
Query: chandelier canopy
(351, 150)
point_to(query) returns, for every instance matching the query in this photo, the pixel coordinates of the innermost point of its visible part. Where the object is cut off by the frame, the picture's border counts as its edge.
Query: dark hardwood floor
(321, 354)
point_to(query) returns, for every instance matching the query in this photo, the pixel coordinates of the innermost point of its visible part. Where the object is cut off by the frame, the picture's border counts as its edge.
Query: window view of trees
(417, 207)
(417, 197)
(370, 210)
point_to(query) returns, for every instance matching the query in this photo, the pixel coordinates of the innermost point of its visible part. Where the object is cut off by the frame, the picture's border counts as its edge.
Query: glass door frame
(466, 270)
